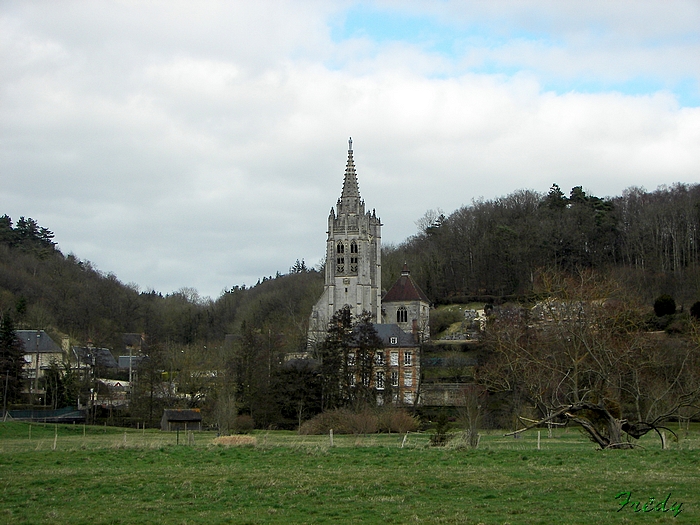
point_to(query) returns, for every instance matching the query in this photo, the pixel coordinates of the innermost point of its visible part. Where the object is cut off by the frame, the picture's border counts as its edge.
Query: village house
(39, 352)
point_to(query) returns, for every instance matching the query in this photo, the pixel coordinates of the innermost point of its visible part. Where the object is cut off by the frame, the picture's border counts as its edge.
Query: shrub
(243, 424)
(342, 421)
(440, 437)
(392, 419)
(442, 319)
(695, 310)
(664, 305)
(339, 420)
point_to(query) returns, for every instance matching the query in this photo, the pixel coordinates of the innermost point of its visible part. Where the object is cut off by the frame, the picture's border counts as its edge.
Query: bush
(340, 420)
(440, 437)
(695, 310)
(664, 305)
(441, 320)
(392, 419)
(243, 424)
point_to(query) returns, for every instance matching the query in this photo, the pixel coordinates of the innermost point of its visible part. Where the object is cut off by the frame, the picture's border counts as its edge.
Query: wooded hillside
(648, 240)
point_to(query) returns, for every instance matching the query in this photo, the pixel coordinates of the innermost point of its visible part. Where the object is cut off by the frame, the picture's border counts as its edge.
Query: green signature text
(653, 505)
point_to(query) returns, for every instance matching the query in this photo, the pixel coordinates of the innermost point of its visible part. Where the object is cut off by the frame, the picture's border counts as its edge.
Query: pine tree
(11, 359)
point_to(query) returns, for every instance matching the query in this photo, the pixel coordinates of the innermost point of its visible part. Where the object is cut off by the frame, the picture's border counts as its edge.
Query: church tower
(353, 258)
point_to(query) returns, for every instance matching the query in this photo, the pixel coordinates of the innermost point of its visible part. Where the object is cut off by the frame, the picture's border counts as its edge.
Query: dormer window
(394, 340)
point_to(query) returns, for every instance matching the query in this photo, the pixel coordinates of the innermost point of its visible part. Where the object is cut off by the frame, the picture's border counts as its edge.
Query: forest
(228, 354)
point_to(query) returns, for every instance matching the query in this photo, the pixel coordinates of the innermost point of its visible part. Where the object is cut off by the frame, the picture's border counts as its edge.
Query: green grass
(117, 477)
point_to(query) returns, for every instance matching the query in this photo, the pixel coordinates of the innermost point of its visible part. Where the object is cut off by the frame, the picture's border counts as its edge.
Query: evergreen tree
(334, 355)
(11, 358)
(347, 354)
(366, 342)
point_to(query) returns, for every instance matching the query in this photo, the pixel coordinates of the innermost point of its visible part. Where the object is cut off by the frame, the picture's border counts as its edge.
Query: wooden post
(538, 440)
(30, 431)
(55, 436)
(331, 434)
(404, 440)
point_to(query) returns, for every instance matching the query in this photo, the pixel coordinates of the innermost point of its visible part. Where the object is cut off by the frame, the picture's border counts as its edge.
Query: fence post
(331, 434)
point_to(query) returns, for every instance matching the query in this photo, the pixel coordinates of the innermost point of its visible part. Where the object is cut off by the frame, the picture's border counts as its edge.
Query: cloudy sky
(202, 144)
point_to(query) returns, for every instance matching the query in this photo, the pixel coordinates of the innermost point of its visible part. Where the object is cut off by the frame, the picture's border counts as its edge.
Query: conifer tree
(11, 359)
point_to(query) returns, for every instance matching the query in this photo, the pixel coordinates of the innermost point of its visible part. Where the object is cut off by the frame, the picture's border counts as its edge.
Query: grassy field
(107, 475)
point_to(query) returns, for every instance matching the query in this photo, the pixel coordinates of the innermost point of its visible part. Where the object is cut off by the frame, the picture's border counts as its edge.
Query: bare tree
(582, 356)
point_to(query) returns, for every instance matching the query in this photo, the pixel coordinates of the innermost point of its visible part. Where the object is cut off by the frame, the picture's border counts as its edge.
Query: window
(407, 378)
(394, 341)
(394, 379)
(394, 359)
(408, 398)
(379, 382)
(340, 258)
(351, 379)
(351, 359)
(365, 379)
(407, 358)
(379, 358)
(402, 315)
(353, 258)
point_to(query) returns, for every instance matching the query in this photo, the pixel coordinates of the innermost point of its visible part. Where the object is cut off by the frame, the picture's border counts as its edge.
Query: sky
(202, 144)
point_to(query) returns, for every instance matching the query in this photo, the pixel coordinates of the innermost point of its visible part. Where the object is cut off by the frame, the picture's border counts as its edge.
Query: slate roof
(46, 344)
(405, 289)
(103, 357)
(387, 331)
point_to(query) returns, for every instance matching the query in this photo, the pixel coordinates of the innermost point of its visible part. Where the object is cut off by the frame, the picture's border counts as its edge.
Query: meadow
(103, 475)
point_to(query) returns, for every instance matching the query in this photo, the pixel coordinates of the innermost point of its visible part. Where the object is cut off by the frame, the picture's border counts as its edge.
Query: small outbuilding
(181, 419)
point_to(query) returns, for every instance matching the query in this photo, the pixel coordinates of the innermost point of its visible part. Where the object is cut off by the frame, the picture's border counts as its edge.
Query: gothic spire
(350, 187)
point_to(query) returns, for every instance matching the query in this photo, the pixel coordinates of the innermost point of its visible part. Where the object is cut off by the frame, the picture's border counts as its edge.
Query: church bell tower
(353, 258)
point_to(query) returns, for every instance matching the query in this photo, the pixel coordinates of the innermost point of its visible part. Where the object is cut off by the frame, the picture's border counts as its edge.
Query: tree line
(494, 248)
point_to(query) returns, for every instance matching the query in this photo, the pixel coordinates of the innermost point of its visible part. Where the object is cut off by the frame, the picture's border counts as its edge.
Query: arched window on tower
(353, 256)
(402, 315)
(340, 258)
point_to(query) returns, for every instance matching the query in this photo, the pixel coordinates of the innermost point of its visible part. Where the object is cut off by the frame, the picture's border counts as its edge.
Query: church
(353, 277)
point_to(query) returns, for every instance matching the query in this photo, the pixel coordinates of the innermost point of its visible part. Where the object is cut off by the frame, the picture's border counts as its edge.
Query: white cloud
(179, 144)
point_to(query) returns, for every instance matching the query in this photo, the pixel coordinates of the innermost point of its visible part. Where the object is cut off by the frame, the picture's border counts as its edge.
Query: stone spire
(350, 186)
